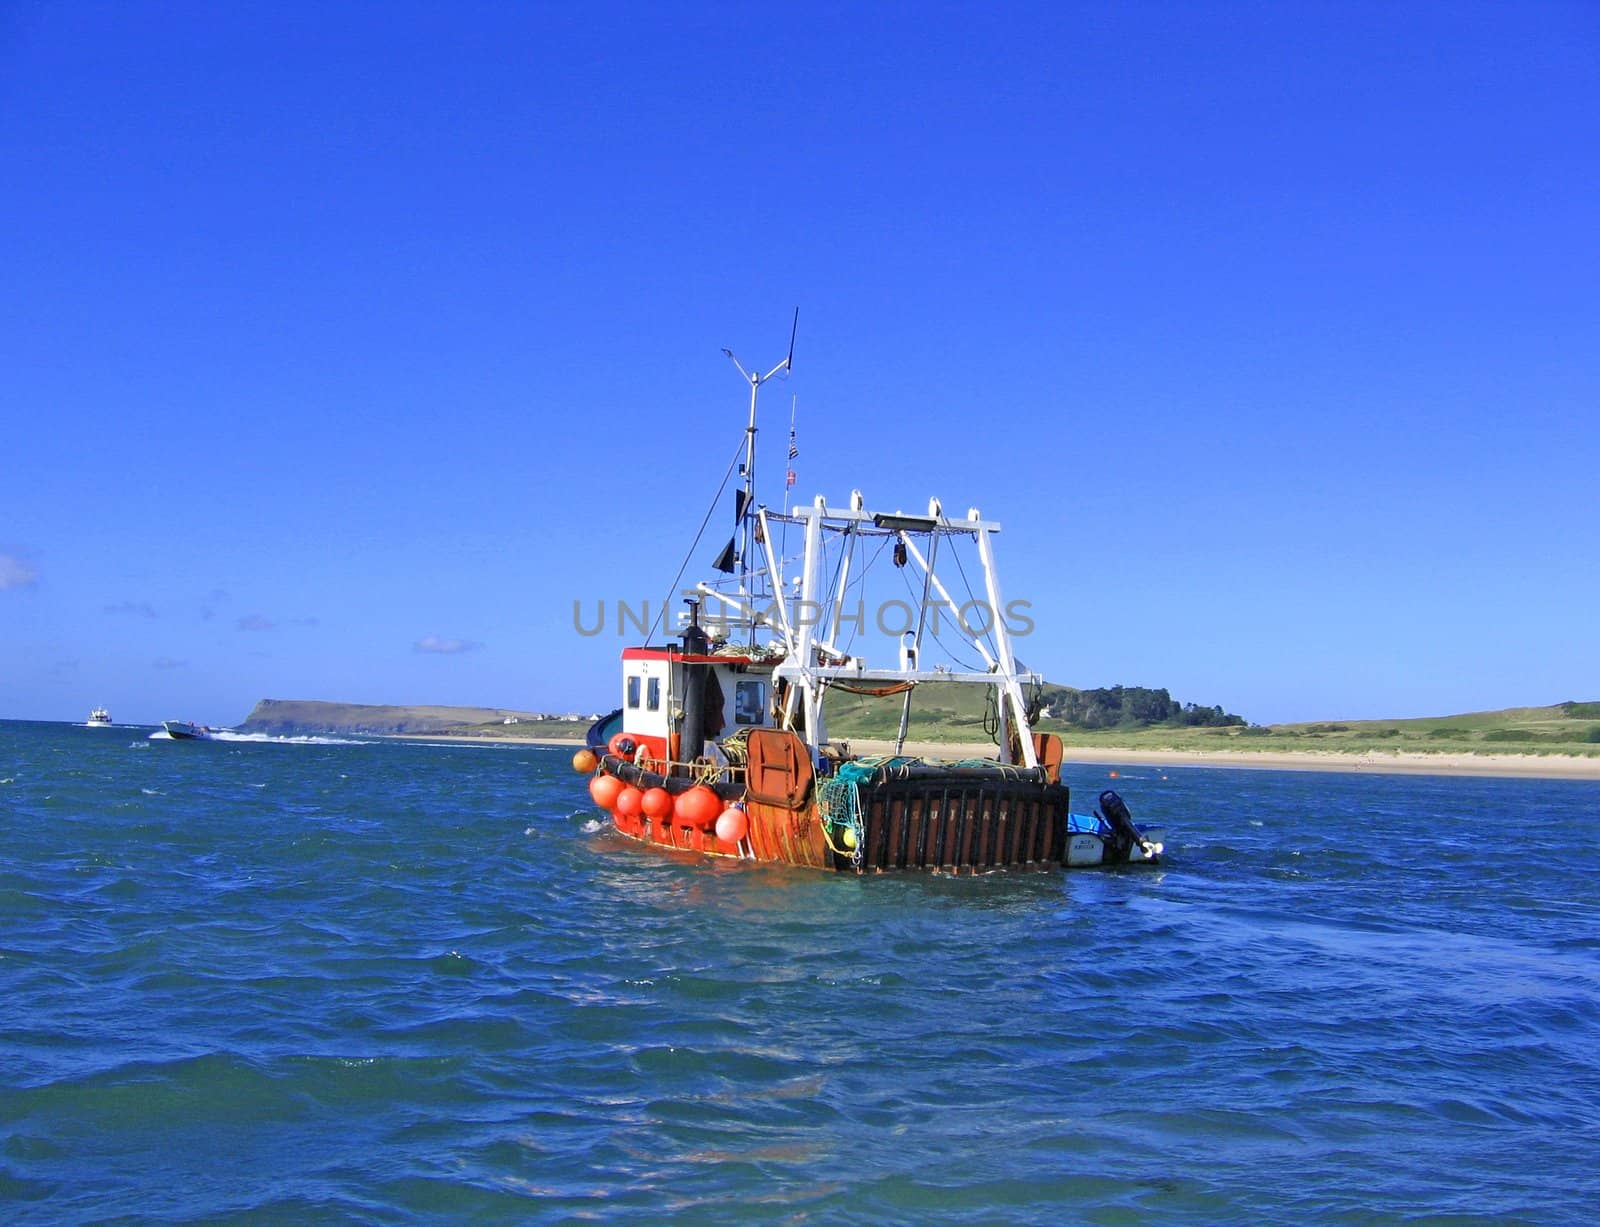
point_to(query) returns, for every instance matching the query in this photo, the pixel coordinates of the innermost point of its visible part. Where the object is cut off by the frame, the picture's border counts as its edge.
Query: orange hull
(935, 819)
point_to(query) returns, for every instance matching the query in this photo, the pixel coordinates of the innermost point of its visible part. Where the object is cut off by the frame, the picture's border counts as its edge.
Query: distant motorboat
(99, 718)
(183, 730)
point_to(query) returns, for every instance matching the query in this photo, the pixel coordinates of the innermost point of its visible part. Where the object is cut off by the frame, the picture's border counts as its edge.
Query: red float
(604, 790)
(732, 825)
(657, 803)
(629, 801)
(699, 808)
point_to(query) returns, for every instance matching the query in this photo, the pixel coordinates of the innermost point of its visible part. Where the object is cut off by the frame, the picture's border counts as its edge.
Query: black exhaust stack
(692, 738)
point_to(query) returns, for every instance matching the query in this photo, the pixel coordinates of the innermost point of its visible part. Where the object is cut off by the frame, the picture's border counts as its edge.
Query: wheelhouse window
(749, 702)
(652, 694)
(633, 692)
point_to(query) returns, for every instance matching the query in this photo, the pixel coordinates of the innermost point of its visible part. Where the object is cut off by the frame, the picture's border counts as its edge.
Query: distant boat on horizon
(184, 730)
(99, 718)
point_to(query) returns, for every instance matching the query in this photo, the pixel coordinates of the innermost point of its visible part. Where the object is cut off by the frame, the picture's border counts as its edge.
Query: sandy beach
(1536, 766)
(1527, 766)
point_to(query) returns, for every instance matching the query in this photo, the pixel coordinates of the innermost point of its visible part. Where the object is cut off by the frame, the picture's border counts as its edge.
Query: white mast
(746, 518)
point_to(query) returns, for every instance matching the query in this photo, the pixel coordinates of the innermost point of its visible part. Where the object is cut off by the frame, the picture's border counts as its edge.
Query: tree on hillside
(1128, 707)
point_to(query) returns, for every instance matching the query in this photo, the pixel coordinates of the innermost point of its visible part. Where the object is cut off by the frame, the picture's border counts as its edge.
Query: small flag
(790, 482)
(794, 448)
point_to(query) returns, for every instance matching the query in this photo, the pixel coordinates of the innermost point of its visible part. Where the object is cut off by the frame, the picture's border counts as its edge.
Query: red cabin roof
(679, 654)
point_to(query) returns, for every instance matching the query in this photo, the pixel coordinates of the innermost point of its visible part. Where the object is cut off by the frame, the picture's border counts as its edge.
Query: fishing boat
(99, 718)
(721, 744)
(183, 730)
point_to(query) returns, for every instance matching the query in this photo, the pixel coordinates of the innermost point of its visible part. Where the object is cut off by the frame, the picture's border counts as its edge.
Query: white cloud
(138, 609)
(260, 622)
(447, 647)
(208, 608)
(17, 572)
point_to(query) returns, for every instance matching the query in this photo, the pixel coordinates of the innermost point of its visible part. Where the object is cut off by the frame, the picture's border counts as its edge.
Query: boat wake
(264, 738)
(272, 739)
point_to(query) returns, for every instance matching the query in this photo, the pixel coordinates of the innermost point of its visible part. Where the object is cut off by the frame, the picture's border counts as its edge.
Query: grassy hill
(957, 710)
(1562, 728)
(945, 713)
(298, 717)
(955, 713)
(942, 712)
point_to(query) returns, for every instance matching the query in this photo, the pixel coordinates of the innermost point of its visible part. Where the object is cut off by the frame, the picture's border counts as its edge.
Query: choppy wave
(387, 982)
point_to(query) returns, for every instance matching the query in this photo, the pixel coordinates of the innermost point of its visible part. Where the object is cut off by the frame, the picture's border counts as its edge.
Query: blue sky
(344, 350)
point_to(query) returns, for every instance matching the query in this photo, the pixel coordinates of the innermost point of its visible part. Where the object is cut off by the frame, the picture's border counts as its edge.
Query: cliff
(297, 717)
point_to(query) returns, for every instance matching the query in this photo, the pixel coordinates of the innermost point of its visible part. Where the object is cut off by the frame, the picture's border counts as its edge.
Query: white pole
(807, 618)
(1011, 692)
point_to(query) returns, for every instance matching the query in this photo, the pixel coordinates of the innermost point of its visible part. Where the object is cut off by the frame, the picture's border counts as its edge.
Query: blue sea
(264, 981)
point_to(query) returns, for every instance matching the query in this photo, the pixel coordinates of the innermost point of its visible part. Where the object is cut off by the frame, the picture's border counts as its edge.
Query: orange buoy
(699, 807)
(732, 825)
(623, 745)
(1113, 775)
(584, 761)
(629, 801)
(604, 790)
(656, 803)
(681, 805)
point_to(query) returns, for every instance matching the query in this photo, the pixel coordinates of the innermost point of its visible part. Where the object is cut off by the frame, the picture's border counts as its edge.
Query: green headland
(1133, 718)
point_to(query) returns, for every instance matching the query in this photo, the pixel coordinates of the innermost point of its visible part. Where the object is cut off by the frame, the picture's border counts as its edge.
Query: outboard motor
(1114, 813)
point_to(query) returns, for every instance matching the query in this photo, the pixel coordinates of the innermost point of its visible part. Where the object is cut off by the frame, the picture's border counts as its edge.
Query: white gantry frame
(807, 625)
